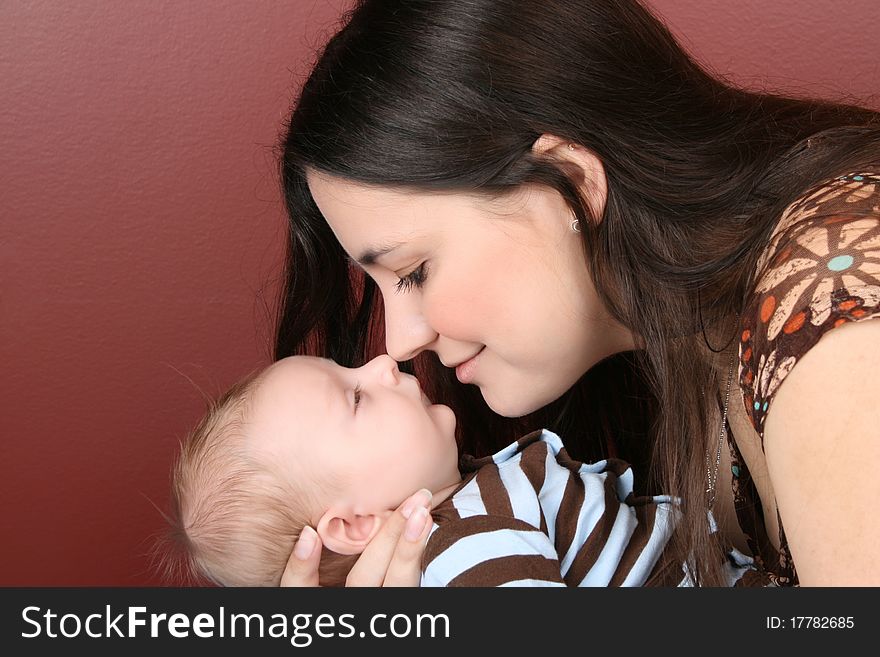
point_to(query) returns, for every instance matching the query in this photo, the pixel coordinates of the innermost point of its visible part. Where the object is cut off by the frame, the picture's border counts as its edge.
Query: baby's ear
(348, 533)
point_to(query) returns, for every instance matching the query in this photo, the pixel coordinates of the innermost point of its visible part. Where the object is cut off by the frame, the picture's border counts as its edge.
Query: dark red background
(141, 231)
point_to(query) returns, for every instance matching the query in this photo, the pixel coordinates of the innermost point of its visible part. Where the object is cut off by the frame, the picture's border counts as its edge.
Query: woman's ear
(581, 164)
(348, 533)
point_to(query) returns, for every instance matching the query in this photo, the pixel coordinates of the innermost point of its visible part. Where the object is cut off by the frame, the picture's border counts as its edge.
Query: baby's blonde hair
(234, 519)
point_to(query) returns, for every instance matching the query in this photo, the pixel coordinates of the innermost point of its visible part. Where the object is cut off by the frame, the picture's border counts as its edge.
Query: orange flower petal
(781, 257)
(837, 220)
(794, 324)
(767, 308)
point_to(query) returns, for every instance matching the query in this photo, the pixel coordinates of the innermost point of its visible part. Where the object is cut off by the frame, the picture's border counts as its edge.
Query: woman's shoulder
(820, 270)
(852, 195)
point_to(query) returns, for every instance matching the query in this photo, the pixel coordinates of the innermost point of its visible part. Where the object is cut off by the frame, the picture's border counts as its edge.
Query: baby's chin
(444, 419)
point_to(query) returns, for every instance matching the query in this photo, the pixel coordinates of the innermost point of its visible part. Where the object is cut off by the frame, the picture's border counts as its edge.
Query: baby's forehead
(293, 394)
(302, 376)
(302, 366)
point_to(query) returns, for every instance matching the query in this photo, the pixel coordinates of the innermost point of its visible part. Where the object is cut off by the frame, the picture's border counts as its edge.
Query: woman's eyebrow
(371, 254)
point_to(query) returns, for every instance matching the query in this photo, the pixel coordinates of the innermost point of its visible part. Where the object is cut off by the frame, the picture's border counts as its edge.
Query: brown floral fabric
(820, 270)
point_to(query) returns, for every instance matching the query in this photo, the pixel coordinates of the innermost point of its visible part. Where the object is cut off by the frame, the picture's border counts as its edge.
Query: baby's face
(370, 429)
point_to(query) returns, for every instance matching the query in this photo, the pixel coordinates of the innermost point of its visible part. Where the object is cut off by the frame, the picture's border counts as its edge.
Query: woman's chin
(511, 405)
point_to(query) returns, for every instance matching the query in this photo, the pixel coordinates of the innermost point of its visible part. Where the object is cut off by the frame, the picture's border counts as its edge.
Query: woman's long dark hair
(451, 95)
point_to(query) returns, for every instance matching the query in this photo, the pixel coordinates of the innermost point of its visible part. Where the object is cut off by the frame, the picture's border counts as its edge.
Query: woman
(573, 226)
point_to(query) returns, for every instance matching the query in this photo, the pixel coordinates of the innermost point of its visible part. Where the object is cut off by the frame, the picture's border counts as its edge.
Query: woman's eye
(357, 396)
(415, 278)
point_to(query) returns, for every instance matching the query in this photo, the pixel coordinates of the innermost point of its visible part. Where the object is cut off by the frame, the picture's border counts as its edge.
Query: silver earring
(571, 147)
(576, 226)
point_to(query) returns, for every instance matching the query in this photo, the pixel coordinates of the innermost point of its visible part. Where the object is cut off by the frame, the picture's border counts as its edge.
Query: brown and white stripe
(530, 515)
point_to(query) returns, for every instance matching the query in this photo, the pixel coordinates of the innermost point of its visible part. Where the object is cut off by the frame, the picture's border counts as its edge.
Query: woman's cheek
(447, 308)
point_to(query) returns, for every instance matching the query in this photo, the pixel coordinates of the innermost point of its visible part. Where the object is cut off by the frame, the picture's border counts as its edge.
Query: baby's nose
(386, 368)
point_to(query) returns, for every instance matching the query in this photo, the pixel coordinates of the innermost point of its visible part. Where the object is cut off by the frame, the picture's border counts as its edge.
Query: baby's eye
(357, 396)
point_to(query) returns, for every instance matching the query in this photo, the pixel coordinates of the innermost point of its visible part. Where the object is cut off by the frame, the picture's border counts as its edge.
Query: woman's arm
(822, 443)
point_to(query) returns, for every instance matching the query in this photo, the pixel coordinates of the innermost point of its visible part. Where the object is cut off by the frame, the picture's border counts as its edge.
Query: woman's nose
(407, 333)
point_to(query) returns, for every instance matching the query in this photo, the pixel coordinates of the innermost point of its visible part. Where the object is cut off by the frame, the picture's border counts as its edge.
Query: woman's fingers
(302, 566)
(392, 558)
(372, 567)
(406, 564)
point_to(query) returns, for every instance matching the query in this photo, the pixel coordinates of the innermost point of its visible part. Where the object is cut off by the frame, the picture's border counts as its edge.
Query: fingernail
(421, 499)
(416, 524)
(306, 543)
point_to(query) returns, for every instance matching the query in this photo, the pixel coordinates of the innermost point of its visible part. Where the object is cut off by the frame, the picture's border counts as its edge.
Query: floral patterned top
(820, 270)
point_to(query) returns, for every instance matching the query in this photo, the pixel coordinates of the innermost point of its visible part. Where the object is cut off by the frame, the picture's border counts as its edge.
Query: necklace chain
(712, 471)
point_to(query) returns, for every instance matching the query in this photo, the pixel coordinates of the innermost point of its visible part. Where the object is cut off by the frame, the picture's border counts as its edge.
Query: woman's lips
(465, 371)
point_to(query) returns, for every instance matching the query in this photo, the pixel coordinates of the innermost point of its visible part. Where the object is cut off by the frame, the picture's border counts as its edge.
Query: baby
(308, 442)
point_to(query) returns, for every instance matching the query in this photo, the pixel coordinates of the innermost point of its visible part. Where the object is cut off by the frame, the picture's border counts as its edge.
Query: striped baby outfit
(530, 515)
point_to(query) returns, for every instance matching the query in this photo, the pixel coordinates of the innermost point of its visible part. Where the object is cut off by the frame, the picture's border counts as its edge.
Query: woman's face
(499, 289)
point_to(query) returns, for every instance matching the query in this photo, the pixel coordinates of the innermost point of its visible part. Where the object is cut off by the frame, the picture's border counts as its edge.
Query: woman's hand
(392, 558)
